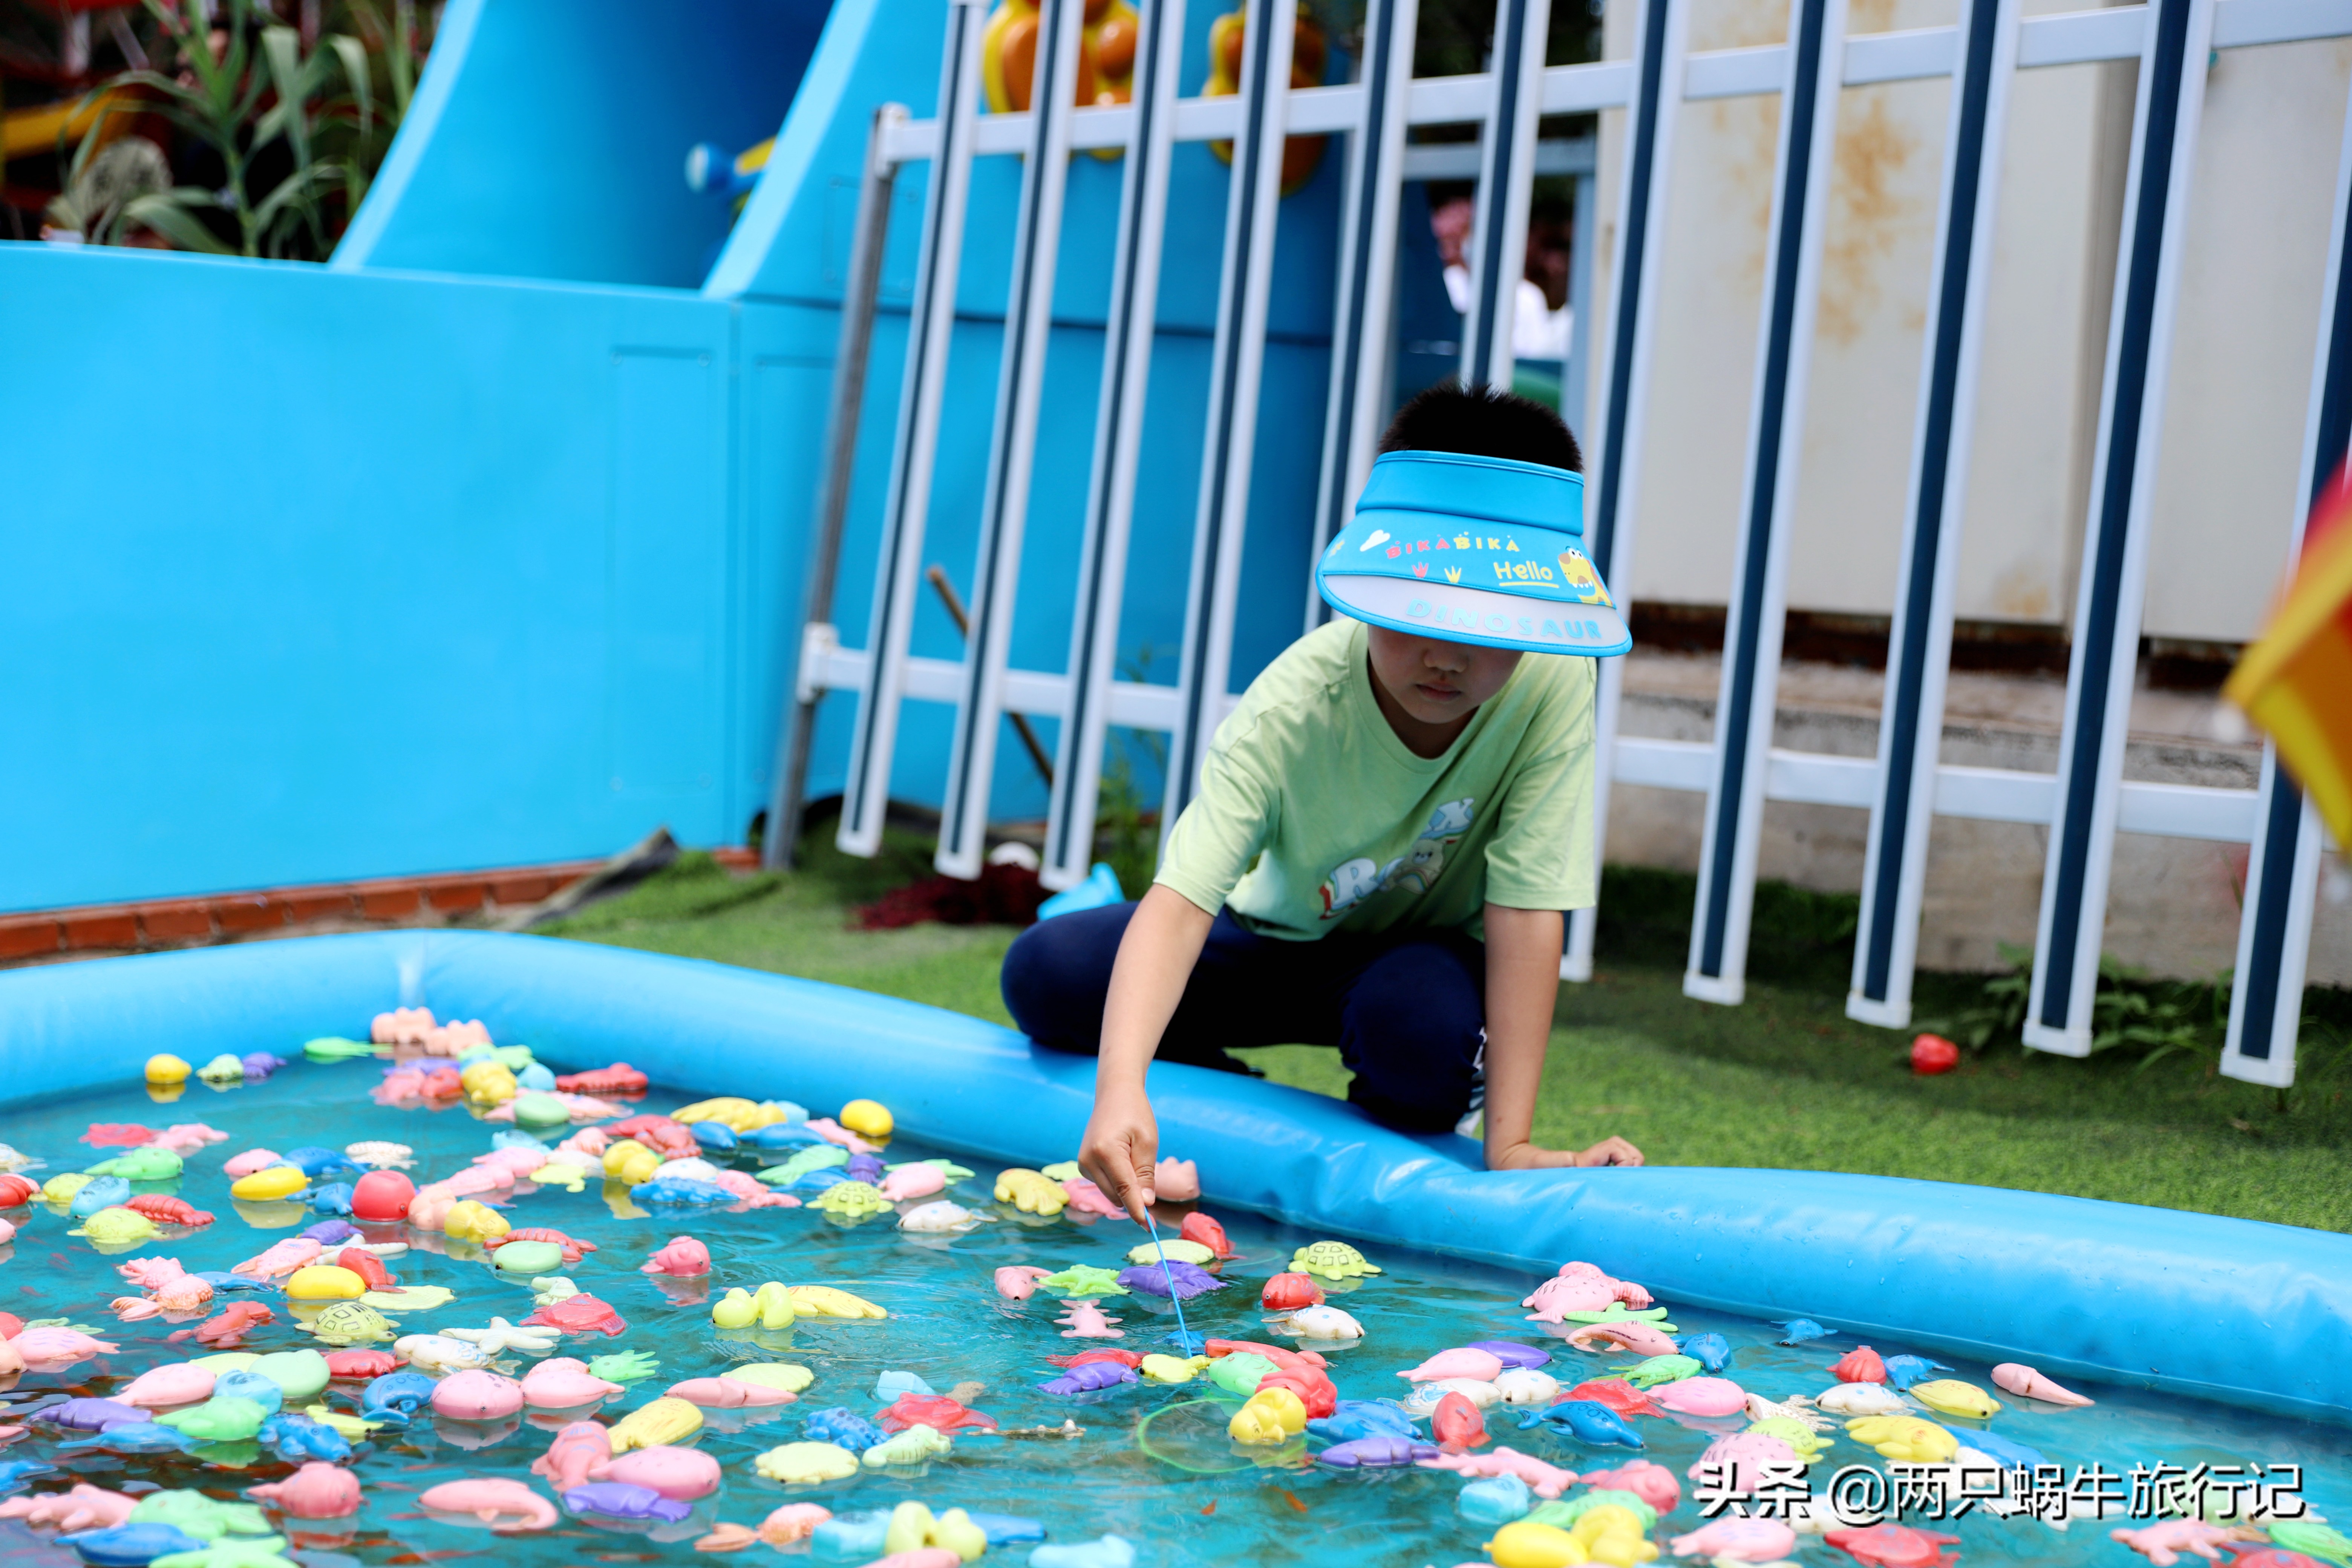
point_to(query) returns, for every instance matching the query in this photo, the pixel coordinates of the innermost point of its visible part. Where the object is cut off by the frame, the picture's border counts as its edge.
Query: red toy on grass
(1932, 1053)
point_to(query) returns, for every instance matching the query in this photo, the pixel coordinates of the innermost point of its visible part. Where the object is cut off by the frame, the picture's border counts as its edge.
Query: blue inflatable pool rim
(2229, 1310)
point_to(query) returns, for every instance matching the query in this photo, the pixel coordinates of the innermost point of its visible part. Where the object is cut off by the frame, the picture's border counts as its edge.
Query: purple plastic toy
(93, 1414)
(1511, 1352)
(619, 1500)
(864, 1168)
(1153, 1280)
(327, 1233)
(1089, 1376)
(1379, 1453)
(261, 1064)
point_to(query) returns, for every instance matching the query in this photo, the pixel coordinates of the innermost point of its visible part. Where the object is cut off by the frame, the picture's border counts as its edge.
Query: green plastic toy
(1661, 1369)
(117, 1227)
(852, 1200)
(1083, 1282)
(227, 1419)
(815, 1157)
(140, 1165)
(624, 1367)
(206, 1518)
(335, 1049)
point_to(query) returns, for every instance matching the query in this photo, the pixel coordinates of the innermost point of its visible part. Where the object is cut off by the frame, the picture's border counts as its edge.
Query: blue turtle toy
(676, 1190)
(1587, 1421)
(133, 1437)
(393, 1397)
(1903, 1371)
(296, 1438)
(131, 1545)
(1353, 1418)
(1799, 1330)
(839, 1424)
(1712, 1351)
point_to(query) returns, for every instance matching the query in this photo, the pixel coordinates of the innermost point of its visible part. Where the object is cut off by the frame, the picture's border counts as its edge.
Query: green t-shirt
(1357, 833)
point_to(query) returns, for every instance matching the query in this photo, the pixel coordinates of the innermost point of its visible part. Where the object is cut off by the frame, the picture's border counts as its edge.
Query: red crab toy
(1615, 1393)
(581, 1314)
(358, 1365)
(166, 1210)
(228, 1329)
(618, 1078)
(1895, 1546)
(940, 1413)
(119, 1135)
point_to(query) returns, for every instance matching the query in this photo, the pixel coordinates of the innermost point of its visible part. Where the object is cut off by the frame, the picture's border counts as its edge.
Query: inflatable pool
(2231, 1310)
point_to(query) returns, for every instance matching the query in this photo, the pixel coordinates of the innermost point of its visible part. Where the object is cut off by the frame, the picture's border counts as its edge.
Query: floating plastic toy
(507, 1507)
(1658, 1369)
(579, 1313)
(867, 1117)
(826, 1301)
(272, 1182)
(770, 1308)
(1031, 1191)
(1949, 1397)
(662, 1422)
(1167, 1278)
(1903, 1371)
(1456, 1423)
(1863, 1399)
(680, 1474)
(1586, 1420)
(1737, 1464)
(166, 1069)
(1517, 1385)
(564, 1382)
(681, 1258)
(1089, 1378)
(1702, 1396)
(2166, 1542)
(1320, 1323)
(217, 1420)
(727, 1394)
(1799, 1330)
(476, 1395)
(578, 1451)
(915, 1445)
(160, 1388)
(1331, 1260)
(1860, 1365)
(1906, 1437)
(1082, 1280)
(352, 1323)
(1481, 1365)
(86, 1507)
(2026, 1384)
(936, 1218)
(117, 1227)
(1086, 1320)
(1018, 1282)
(316, 1491)
(1269, 1415)
(98, 1192)
(807, 1463)
(1545, 1480)
(1739, 1539)
(1893, 1546)
(1653, 1483)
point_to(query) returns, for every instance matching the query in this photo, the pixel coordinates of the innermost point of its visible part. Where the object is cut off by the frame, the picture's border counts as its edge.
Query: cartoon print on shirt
(1418, 870)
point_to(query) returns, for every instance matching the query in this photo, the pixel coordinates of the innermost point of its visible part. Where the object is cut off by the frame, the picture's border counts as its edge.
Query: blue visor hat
(1475, 550)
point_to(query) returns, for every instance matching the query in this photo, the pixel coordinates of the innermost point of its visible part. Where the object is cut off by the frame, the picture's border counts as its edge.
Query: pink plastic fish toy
(729, 1394)
(246, 1163)
(54, 1349)
(746, 1187)
(2164, 1544)
(507, 1507)
(521, 1161)
(1739, 1539)
(84, 1508)
(161, 1388)
(1480, 1366)
(1545, 1480)
(577, 1449)
(832, 1132)
(564, 1382)
(1735, 1463)
(476, 1395)
(317, 1490)
(1702, 1397)
(1176, 1181)
(1087, 1322)
(916, 1180)
(682, 1257)
(2026, 1384)
(474, 1180)
(1087, 1198)
(1018, 1282)
(1653, 1483)
(281, 1258)
(684, 1474)
(1641, 1339)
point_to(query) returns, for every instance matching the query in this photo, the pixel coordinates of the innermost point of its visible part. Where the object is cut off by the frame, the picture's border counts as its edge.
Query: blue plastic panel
(2251, 1313)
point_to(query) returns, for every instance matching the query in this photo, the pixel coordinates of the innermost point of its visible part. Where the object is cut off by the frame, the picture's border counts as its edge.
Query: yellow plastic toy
(1174, 1247)
(666, 1420)
(1332, 1260)
(780, 1374)
(804, 1464)
(851, 1200)
(350, 1425)
(1308, 51)
(770, 1308)
(60, 1189)
(1272, 1415)
(1953, 1397)
(558, 1174)
(277, 1181)
(117, 1227)
(1802, 1440)
(1906, 1437)
(912, 1447)
(913, 1527)
(733, 1112)
(470, 1221)
(1166, 1368)
(1030, 1191)
(1524, 1544)
(631, 1162)
(1008, 56)
(1614, 1535)
(487, 1081)
(167, 1069)
(325, 1282)
(222, 1068)
(824, 1301)
(868, 1118)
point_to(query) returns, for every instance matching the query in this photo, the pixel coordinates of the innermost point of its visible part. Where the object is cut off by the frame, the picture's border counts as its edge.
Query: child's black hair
(1482, 423)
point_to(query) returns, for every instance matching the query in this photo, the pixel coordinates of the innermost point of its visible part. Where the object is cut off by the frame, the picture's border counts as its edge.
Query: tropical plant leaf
(354, 59)
(171, 214)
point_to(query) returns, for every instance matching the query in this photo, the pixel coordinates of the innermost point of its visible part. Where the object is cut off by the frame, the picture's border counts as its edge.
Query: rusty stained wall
(2249, 313)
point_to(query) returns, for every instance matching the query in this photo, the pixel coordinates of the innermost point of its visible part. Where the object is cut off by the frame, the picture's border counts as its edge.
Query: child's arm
(1522, 984)
(1163, 941)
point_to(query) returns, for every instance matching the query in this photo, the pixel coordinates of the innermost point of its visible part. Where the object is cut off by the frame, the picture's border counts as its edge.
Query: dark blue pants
(1407, 1009)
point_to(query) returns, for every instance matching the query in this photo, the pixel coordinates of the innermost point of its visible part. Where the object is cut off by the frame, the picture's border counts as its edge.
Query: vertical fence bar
(1506, 171)
(1911, 722)
(1119, 444)
(2274, 934)
(1751, 651)
(788, 799)
(931, 327)
(1660, 41)
(1578, 372)
(1012, 445)
(2114, 546)
(1235, 362)
(1362, 322)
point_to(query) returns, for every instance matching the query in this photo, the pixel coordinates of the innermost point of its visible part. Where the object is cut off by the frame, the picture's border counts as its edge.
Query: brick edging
(154, 922)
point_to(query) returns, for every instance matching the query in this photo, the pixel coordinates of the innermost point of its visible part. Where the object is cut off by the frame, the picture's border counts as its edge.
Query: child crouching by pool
(1389, 826)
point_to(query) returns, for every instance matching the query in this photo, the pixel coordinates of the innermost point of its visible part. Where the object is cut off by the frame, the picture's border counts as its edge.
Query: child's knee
(1057, 972)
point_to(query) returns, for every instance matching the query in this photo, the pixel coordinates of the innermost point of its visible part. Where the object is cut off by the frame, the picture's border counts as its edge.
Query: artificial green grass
(1785, 1080)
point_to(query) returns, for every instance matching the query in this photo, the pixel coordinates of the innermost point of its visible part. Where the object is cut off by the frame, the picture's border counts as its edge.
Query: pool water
(1224, 1503)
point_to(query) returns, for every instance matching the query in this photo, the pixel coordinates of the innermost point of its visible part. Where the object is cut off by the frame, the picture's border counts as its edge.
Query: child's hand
(1532, 1157)
(1121, 1149)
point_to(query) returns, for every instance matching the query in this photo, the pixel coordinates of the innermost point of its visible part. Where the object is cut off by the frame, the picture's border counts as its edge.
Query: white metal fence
(2083, 804)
